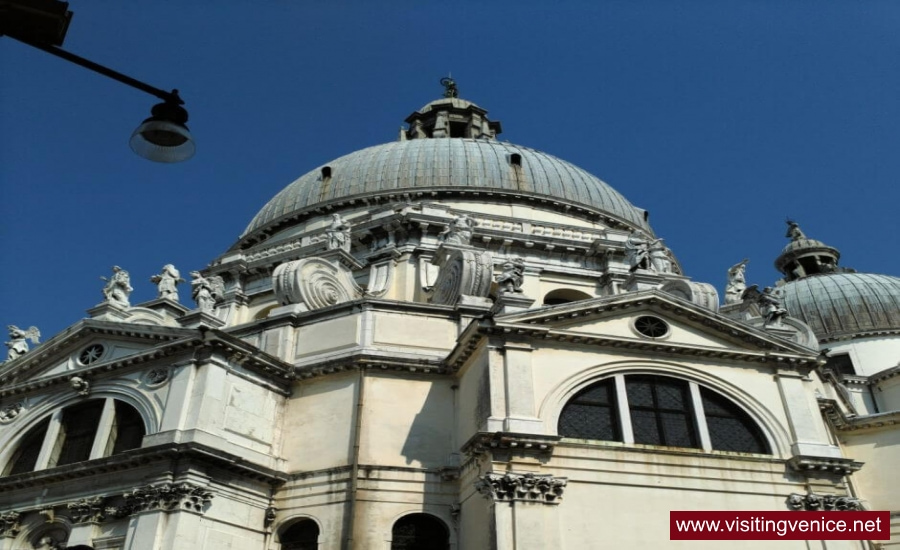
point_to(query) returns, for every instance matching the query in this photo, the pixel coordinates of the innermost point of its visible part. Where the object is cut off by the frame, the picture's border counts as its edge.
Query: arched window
(419, 532)
(84, 431)
(303, 535)
(564, 296)
(660, 410)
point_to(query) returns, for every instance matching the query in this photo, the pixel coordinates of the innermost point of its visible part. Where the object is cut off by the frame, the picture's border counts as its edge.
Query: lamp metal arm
(168, 97)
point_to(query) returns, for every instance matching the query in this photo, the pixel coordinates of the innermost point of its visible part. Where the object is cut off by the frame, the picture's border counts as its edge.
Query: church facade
(451, 342)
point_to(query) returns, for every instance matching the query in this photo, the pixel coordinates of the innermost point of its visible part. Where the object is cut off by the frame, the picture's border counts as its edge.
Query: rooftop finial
(449, 85)
(794, 231)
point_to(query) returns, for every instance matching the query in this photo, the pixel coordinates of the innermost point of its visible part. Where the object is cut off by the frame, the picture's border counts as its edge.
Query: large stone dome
(449, 167)
(844, 305)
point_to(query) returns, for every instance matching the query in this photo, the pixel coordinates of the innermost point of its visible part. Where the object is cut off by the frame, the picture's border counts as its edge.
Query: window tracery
(660, 410)
(79, 432)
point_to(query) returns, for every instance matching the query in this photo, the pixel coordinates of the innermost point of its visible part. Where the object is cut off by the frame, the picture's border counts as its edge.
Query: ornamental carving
(464, 272)
(169, 497)
(87, 510)
(701, 294)
(9, 524)
(814, 503)
(314, 283)
(529, 487)
(157, 376)
(11, 412)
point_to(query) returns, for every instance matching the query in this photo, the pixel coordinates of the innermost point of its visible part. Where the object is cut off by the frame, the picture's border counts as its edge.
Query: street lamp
(42, 24)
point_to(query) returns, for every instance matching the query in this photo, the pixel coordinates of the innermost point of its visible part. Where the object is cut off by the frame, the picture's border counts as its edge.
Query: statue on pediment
(18, 343)
(338, 234)
(167, 282)
(737, 282)
(459, 231)
(770, 302)
(660, 260)
(206, 291)
(118, 287)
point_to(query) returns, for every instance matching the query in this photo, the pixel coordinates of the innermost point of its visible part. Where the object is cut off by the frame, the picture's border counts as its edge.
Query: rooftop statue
(771, 304)
(638, 252)
(166, 283)
(450, 89)
(459, 231)
(18, 345)
(118, 287)
(206, 291)
(737, 282)
(794, 231)
(659, 257)
(338, 234)
(512, 276)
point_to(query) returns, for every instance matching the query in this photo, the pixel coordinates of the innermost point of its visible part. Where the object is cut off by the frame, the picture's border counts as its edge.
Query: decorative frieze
(510, 487)
(87, 510)
(814, 503)
(166, 497)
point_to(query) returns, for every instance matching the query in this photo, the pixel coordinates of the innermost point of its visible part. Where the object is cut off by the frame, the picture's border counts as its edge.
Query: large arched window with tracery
(92, 429)
(303, 535)
(420, 532)
(660, 410)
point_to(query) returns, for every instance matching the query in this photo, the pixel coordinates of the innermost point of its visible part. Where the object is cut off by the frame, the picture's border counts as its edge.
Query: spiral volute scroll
(462, 272)
(701, 294)
(314, 282)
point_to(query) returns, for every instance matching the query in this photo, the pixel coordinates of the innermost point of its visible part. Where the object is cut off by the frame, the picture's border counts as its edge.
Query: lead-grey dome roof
(448, 166)
(843, 305)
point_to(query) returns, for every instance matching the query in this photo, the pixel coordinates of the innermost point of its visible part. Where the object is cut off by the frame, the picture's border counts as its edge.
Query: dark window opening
(730, 428)
(564, 296)
(651, 327)
(592, 414)
(515, 159)
(419, 532)
(128, 431)
(458, 129)
(326, 172)
(77, 432)
(25, 458)
(661, 412)
(841, 364)
(303, 535)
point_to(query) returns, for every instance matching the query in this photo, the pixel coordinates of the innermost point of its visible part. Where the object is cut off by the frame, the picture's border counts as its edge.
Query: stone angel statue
(638, 252)
(737, 282)
(771, 304)
(18, 343)
(206, 291)
(118, 287)
(167, 282)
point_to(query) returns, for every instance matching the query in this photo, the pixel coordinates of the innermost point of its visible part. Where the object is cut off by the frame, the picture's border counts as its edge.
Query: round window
(651, 327)
(90, 354)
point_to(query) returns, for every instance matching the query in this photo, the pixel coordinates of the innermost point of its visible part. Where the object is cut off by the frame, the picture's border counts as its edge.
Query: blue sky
(721, 118)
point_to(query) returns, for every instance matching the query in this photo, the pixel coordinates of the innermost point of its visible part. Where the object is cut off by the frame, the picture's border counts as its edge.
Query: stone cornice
(881, 376)
(531, 444)
(813, 464)
(844, 422)
(140, 458)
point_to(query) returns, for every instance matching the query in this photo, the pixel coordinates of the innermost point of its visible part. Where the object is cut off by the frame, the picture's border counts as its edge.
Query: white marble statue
(118, 287)
(459, 231)
(18, 343)
(737, 282)
(338, 234)
(167, 282)
(794, 232)
(659, 257)
(206, 291)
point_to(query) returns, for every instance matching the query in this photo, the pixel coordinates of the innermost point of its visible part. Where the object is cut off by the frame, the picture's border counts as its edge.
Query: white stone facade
(384, 388)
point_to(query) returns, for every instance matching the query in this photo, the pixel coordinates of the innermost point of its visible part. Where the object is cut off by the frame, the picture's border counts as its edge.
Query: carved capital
(9, 524)
(87, 510)
(509, 487)
(168, 497)
(11, 412)
(814, 503)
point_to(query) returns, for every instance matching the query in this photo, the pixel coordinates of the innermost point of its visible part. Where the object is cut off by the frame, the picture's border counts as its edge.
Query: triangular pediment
(616, 320)
(85, 344)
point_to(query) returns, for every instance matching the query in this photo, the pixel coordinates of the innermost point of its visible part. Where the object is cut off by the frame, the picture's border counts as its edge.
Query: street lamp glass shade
(163, 137)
